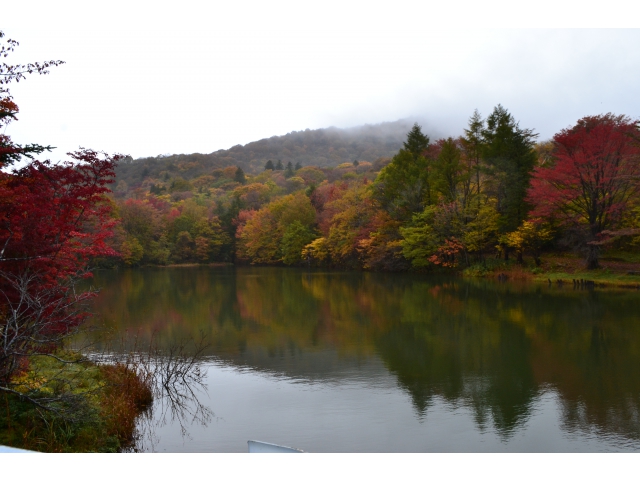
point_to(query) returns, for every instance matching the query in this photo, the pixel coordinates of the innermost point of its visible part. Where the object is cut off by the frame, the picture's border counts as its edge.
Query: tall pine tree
(288, 171)
(473, 143)
(403, 187)
(510, 157)
(239, 176)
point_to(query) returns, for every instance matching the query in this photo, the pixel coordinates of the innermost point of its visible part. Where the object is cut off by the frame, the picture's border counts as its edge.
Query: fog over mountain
(185, 79)
(326, 147)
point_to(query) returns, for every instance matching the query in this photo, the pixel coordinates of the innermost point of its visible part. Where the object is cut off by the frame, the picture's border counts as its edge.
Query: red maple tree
(594, 172)
(53, 219)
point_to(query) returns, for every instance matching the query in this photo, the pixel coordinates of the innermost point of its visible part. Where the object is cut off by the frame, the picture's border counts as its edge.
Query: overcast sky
(149, 78)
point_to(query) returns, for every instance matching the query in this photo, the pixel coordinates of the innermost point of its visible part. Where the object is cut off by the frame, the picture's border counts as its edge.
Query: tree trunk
(592, 257)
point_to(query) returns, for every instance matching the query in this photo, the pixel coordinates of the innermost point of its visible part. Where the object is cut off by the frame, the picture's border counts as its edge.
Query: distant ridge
(326, 147)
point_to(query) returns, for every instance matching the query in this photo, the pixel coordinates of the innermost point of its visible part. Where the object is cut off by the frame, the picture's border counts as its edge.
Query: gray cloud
(181, 84)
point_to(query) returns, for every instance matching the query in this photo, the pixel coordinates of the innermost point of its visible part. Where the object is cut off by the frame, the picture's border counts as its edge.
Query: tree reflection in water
(174, 371)
(492, 348)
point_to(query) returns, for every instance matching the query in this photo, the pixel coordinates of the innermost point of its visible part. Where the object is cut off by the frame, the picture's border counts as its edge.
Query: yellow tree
(350, 224)
(531, 236)
(261, 238)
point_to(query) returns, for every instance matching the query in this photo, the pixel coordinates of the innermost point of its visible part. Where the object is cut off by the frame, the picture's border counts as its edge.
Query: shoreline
(560, 270)
(569, 270)
(108, 400)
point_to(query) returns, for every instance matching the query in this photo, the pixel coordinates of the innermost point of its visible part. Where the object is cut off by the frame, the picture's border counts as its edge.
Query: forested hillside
(493, 191)
(326, 147)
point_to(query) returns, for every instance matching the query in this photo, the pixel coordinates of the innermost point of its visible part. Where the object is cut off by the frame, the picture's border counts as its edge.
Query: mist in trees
(445, 203)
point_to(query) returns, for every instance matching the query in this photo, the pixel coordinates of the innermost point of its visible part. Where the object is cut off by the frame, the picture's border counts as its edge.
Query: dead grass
(125, 396)
(112, 397)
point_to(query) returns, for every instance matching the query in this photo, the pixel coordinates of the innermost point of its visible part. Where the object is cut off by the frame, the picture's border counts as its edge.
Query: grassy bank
(617, 269)
(105, 401)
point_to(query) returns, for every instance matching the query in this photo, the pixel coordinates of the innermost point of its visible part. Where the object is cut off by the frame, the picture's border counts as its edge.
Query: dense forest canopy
(376, 199)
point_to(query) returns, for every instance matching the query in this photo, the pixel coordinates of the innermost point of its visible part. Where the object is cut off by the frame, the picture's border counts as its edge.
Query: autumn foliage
(594, 175)
(53, 220)
(447, 203)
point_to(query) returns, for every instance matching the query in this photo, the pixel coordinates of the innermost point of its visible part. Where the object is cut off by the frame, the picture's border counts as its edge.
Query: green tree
(239, 176)
(421, 240)
(156, 189)
(159, 251)
(289, 172)
(179, 184)
(403, 187)
(184, 247)
(279, 165)
(417, 142)
(510, 157)
(268, 165)
(448, 171)
(294, 183)
(473, 144)
(140, 220)
(296, 237)
(131, 251)
(446, 233)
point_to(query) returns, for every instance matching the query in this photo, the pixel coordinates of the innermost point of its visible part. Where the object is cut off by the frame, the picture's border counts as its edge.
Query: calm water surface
(363, 362)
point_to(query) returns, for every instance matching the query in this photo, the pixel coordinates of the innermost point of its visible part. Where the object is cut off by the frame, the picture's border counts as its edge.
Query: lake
(328, 361)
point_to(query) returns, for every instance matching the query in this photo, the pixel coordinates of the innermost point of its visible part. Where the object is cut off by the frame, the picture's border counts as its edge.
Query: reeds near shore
(109, 399)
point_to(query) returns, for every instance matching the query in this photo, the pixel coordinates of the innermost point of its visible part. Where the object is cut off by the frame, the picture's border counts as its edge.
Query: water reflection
(175, 372)
(495, 349)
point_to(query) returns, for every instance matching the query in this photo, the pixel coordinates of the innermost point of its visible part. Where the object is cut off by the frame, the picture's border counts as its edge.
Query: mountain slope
(326, 147)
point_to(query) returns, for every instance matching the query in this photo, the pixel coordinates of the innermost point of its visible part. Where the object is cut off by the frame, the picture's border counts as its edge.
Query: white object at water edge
(264, 447)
